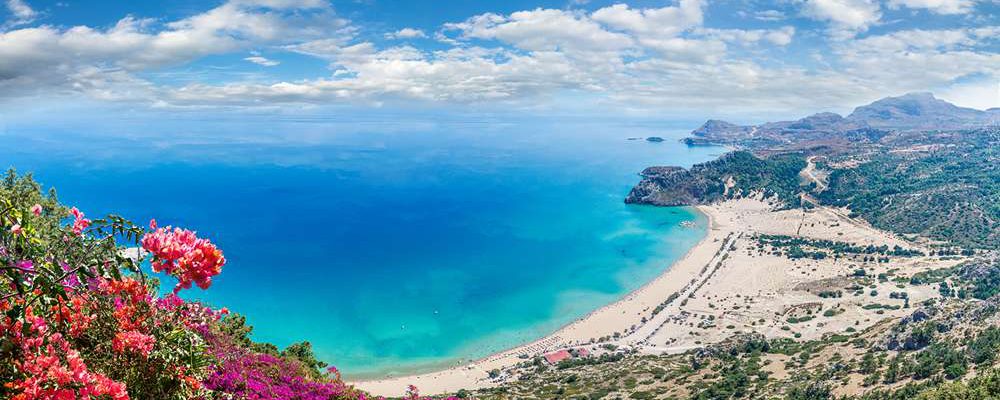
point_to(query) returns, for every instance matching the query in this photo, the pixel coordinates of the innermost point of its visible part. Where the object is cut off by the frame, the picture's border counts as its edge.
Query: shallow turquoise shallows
(394, 248)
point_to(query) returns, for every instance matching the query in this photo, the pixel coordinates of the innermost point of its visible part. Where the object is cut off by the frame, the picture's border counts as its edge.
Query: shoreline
(728, 283)
(607, 320)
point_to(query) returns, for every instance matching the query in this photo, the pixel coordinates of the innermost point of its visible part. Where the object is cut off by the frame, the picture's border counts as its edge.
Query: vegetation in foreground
(82, 320)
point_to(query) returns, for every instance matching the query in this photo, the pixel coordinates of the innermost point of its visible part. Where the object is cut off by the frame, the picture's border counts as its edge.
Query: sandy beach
(725, 284)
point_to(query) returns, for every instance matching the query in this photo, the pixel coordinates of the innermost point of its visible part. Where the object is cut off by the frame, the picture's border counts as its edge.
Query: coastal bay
(402, 253)
(721, 287)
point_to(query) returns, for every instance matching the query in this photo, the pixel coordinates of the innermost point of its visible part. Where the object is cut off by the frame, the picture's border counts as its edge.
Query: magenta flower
(71, 279)
(79, 223)
(37, 210)
(26, 266)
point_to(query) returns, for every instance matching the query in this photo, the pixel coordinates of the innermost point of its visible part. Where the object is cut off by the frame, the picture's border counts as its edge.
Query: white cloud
(769, 15)
(267, 62)
(779, 37)
(543, 30)
(937, 6)
(981, 94)
(43, 58)
(614, 58)
(20, 9)
(659, 30)
(912, 60)
(918, 40)
(284, 4)
(22, 12)
(845, 16)
(666, 21)
(458, 75)
(406, 33)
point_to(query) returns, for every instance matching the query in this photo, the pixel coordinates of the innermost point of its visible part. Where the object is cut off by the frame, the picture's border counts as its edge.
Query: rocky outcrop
(733, 175)
(719, 128)
(666, 186)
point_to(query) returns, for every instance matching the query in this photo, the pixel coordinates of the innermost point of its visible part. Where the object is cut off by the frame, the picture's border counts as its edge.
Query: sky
(745, 59)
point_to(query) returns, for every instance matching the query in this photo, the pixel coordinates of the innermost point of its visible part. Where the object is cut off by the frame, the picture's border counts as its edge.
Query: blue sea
(392, 247)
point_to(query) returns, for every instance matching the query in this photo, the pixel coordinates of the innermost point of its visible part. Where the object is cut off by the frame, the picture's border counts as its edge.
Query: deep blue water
(391, 247)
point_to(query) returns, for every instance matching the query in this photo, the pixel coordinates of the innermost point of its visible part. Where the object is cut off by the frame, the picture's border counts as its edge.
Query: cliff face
(666, 186)
(733, 175)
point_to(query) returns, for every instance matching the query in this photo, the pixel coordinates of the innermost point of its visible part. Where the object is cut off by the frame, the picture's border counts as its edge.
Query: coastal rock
(735, 174)
(666, 186)
(721, 132)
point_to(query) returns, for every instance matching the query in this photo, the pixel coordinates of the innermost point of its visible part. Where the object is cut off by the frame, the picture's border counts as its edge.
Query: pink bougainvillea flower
(73, 313)
(132, 301)
(79, 222)
(17, 230)
(52, 369)
(182, 254)
(26, 266)
(37, 210)
(71, 279)
(133, 341)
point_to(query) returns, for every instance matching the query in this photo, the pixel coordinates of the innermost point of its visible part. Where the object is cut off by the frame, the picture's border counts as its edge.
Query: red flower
(182, 254)
(133, 341)
(133, 304)
(72, 313)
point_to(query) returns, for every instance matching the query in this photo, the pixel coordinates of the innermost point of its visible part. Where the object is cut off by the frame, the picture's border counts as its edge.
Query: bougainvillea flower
(133, 341)
(182, 254)
(26, 265)
(79, 222)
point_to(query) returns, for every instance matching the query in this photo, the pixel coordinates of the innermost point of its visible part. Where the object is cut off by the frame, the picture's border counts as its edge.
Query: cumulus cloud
(543, 30)
(659, 29)
(616, 57)
(665, 21)
(406, 33)
(45, 57)
(845, 16)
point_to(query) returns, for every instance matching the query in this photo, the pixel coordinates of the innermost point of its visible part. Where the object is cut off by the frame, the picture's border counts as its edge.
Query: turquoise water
(393, 248)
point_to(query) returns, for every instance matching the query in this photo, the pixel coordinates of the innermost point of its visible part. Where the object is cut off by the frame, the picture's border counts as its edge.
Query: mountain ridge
(911, 111)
